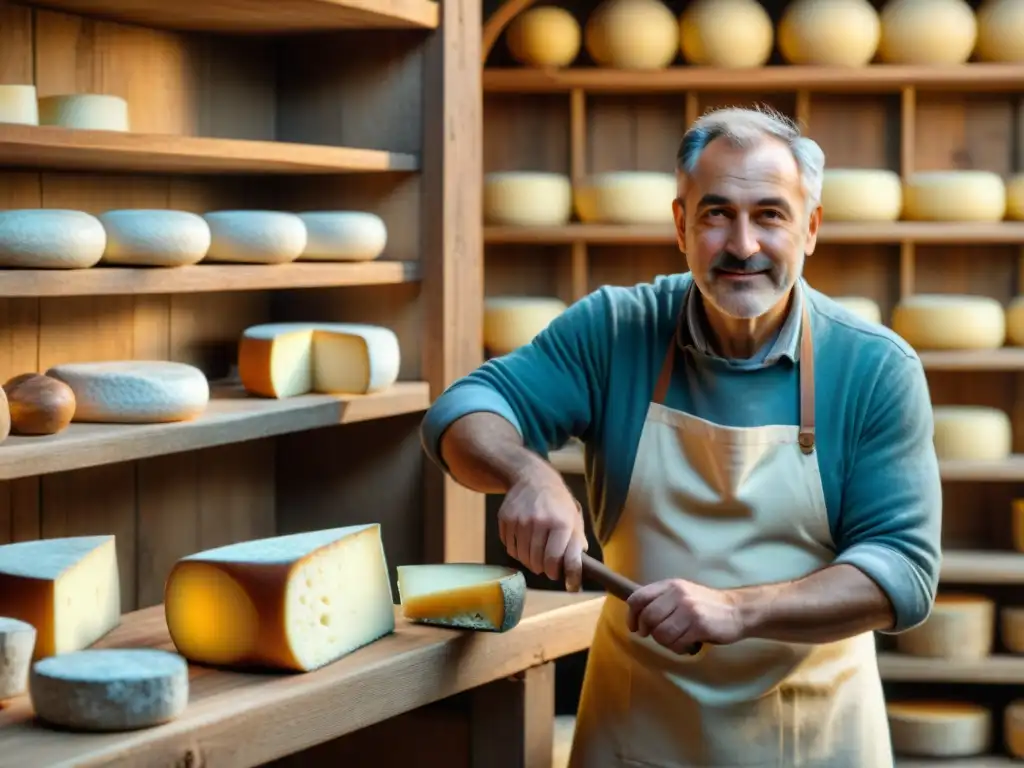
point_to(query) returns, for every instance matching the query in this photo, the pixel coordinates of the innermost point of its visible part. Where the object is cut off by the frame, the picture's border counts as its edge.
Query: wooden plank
(964, 566)
(242, 719)
(998, 668)
(512, 721)
(1003, 359)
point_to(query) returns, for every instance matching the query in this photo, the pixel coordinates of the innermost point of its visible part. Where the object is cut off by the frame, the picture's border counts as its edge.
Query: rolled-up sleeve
(891, 518)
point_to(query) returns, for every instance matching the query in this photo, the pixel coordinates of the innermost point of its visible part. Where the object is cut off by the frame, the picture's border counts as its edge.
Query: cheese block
(511, 322)
(293, 602)
(38, 405)
(1013, 728)
(289, 359)
(135, 391)
(564, 730)
(255, 237)
(39, 238)
(462, 595)
(17, 643)
(110, 689)
(86, 111)
(632, 34)
(1000, 31)
(972, 433)
(864, 308)
(527, 198)
(544, 37)
(626, 197)
(950, 321)
(18, 104)
(1015, 322)
(726, 33)
(960, 626)
(954, 196)
(861, 194)
(939, 728)
(1011, 629)
(839, 33)
(68, 589)
(927, 32)
(154, 238)
(1015, 197)
(343, 236)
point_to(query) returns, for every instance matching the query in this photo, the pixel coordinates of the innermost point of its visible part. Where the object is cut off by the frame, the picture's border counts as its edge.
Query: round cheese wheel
(861, 194)
(1000, 31)
(17, 644)
(511, 322)
(255, 237)
(86, 111)
(939, 728)
(961, 626)
(972, 433)
(840, 33)
(39, 405)
(950, 321)
(1011, 629)
(954, 196)
(561, 746)
(726, 33)
(527, 198)
(1015, 322)
(154, 238)
(343, 236)
(18, 104)
(927, 32)
(1013, 728)
(626, 197)
(544, 37)
(41, 238)
(1015, 197)
(864, 308)
(632, 34)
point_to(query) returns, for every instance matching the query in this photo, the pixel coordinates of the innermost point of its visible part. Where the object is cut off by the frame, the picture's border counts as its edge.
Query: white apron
(727, 507)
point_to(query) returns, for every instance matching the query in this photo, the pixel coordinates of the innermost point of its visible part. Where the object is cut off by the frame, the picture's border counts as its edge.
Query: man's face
(745, 228)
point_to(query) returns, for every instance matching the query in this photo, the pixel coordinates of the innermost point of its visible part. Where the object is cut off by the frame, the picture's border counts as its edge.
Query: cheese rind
(462, 595)
(154, 238)
(632, 34)
(85, 111)
(927, 32)
(939, 728)
(625, 197)
(255, 237)
(39, 405)
(1000, 31)
(111, 689)
(861, 194)
(343, 236)
(17, 643)
(961, 626)
(972, 433)
(544, 37)
(527, 198)
(954, 196)
(40, 238)
(511, 322)
(842, 33)
(18, 105)
(726, 33)
(950, 321)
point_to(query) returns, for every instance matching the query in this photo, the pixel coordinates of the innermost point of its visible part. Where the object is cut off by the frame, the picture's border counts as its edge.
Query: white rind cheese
(154, 238)
(110, 689)
(954, 196)
(961, 626)
(972, 433)
(40, 238)
(85, 111)
(1013, 728)
(626, 197)
(544, 37)
(343, 236)
(18, 104)
(17, 644)
(930, 32)
(511, 322)
(863, 307)
(726, 33)
(838, 33)
(527, 198)
(1000, 31)
(632, 34)
(950, 321)
(462, 595)
(861, 194)
(939, 728)
(255, 237)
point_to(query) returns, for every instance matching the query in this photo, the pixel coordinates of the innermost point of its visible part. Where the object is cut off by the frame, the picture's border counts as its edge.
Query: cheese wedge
(293, 602)
(17, 642)
(462, 595)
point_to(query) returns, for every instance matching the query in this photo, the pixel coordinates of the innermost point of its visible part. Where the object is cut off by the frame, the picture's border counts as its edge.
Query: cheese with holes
(18, 104)
(1011, 629)
(527, 198)
(843, 33)
(39, 405)
(511, 322)
(954, 196)
(255, 237)
(960, 626)
(289, 359)
(39, 238)
(864, 308)
(1013, 728)
(632, 34)
(68, 589)
(626, 197)
(972, 433)
(927, 32)
(1015, 197)
(85, 111)
(950, 321)
(343, 236)
(17, 644)
(939, 728)
(462, 595)
(134, 391)
(293, 602)
(544, 37)
(110, 689)
(861, 194)
(1000, 31)
(726, 33)
(154, 238)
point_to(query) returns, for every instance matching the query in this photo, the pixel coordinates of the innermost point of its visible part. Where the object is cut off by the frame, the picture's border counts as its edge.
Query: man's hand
(678, 613)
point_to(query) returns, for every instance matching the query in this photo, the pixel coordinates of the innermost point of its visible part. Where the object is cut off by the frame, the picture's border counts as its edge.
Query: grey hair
(745, 127)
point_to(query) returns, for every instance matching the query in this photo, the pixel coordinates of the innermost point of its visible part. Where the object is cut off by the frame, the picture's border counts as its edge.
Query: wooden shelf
(235, 718)
(998, 668)
(231, 417)
(979, 566)
(31, 146)
(1003, 359)
(983, 761)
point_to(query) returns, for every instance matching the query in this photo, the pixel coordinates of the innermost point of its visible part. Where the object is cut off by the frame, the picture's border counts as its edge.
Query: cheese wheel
(110, 689)
(255, 237)
(1013, 728)
(726, 33)
(842, 33)
(343, 236)
(1017, 524)
(632, 34)
(972, 433)
(1015, 322)
(462, 595)
(294, 602)
(39, 405)
(17, 643)
(154, 238)
(564, 730)
(626, 197)
(544, 37)
(927, 32)
(954, 196)
(511, 322)
(288, 359)
(1011, 629)
(5, 417)
(135, 391)
(861, 194)
(960, 626)
(18, 104)
(527, 198)
(85, 111)
(1015, 197)
(939, 728)
(950, 321)
(40, 238)
(864, 308)
(1000, 31)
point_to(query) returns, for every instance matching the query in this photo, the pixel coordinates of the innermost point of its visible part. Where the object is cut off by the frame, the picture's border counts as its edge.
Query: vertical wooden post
(908, 136)
(512, 721)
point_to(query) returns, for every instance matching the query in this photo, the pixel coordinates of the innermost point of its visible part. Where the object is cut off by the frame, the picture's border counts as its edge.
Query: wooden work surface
(239, 719)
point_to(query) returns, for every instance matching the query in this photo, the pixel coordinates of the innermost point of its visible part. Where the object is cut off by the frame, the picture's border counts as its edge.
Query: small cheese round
(1011, 629)
(626, 197)
(154, 238)
(954, 196)
(544, 37)
(527, 198)
(511, 322)
(726, 33)
(85, 111)
(632, 34)
(343, 236)
(1000, 31)
(1015, 322)
(839, 33)
(950, 321)
(972, 433)
(1013, 728)
(18, 104)
(255, 237)
(961, 626)
(927, 32)
(863, 307)
(17, 644)
(41, 238)
(861, 194)
(40, 405)
(110, 689)
(939, 728)
(1015, 197)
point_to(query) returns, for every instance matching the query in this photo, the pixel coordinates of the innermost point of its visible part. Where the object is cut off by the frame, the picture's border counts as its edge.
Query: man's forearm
(485, 453)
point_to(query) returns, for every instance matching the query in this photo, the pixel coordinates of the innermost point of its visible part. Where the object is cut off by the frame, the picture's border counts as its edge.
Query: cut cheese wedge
(950, 321)
(972, 433)
(961, 626)
(68, 589)
(462, 595)
(939, 728)
(1013, 728)
(17, 643)
(293, 602)
(50, 239)
(288, 359)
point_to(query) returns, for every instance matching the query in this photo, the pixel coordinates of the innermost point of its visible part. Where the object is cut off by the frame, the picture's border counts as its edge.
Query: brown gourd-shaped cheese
(38, 404)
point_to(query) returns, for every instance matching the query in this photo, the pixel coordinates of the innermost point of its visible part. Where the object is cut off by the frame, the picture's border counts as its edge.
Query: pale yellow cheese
(1000, 31)
(544, 37)
(18, 104)
(842, 33)
(1011, 629)
(950, 321)
(863, 307)
(861, 194)
(462, 595)
(625, 197)
(954, 196)
(527, 198)
(960, 626)
(511, 322)
(17, 643)
(85, 111)
(632, 34)
(972, 433)
(1015, 196)
(69, 589)
(726, 33)
(939, 728)
(927, 32)
(1013, 728)
(293, 602)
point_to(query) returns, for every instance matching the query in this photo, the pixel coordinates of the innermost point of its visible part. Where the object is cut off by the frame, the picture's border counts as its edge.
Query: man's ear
(679, 215)
(813, 224)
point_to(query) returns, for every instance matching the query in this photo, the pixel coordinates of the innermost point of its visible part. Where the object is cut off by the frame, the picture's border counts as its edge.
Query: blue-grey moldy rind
(513, 598)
